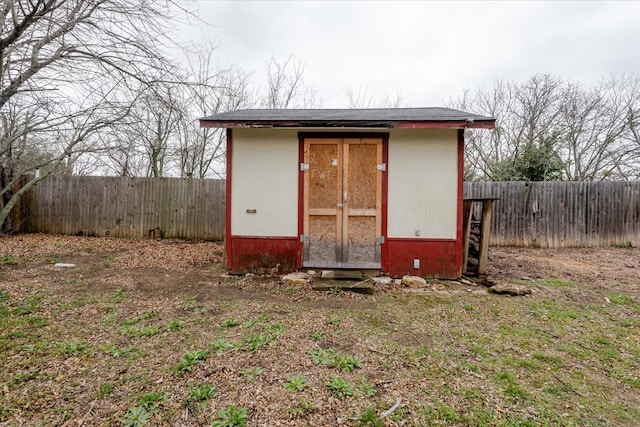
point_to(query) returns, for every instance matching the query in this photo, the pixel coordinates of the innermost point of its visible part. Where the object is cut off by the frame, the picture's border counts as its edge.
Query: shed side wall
(265, 180)
(423, 180)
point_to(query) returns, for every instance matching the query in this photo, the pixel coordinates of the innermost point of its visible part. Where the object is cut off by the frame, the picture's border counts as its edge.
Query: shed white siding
(423, 183)
(264, 172)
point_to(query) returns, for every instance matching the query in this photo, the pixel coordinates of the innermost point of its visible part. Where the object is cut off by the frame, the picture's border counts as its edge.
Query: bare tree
(361, 98)
(551, 129)
(67, 68)
(212, 89)
(285, 86)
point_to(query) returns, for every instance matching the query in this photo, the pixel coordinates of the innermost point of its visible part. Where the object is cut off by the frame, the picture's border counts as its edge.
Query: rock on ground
(382, 280)
(414, 282)
(297, 278)
(509, 289)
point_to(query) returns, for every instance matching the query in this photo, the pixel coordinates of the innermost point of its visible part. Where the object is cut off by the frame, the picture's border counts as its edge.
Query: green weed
(190, 360)
(317, 336)
(231, 416)
(229, 323)
(251, 373)
(340, 387)
(105, 389)
(9, 260)
(152, 399)
(296, 383)
(137, 416)
(199, 395)
(369, 418)
(222, 345)
(255, 341)
(302, 408)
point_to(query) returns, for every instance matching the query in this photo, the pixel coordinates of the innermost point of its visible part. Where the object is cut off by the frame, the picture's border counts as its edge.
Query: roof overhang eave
(430, 124)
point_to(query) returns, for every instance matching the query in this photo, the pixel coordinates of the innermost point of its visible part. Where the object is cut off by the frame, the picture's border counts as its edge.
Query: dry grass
(155, 331)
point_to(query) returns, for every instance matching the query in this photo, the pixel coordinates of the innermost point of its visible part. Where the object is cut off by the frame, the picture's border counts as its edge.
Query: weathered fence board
(122, 207)
(539, 214)
(561, 214)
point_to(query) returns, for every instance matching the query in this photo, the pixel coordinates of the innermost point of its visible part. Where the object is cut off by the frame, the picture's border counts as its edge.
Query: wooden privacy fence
(126, 207)
(561, 214)
(542, 214)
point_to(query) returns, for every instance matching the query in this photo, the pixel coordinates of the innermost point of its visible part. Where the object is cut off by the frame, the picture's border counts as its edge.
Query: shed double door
(342, 202)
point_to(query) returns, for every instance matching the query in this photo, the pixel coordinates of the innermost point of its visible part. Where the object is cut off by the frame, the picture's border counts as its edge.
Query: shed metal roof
(433, 117)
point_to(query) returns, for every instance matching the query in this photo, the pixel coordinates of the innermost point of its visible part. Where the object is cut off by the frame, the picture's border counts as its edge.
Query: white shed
(346, 189)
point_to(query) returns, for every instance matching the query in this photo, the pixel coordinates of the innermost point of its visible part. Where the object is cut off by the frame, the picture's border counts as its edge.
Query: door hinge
(380, 240)
(304, 166)
(304, 238)
(381, 167)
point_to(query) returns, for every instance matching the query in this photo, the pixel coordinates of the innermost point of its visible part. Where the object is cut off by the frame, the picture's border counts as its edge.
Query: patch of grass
(230, 323)
(175, 325)
(369, 418)
(105, 389)
(30, 306)
(115, 351)
(548, 358)
(556, 283)
(620, 298)
(622, 245)
(317, 336)
(231, 416)
(333, 321)
(340, 387)
(75, 348)
(296, 383)
(119, 296)
(9, 260)
(144, 332)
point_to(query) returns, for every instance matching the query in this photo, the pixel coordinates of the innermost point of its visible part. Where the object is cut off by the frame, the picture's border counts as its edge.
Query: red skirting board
(437, 258)
(263, 254)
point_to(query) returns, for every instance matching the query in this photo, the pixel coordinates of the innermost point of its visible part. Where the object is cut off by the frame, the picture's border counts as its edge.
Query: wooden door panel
(323, 192)
(342, 203)
(323, 245)
(362, 182)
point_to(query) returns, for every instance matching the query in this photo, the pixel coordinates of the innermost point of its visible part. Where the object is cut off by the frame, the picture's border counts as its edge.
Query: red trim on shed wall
(459, 243)
(227, 236)
(342, 134)
(271, 254)
(300, 198)
(446, 125)
(438, 257)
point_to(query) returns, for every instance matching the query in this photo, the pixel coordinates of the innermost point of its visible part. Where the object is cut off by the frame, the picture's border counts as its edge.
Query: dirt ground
(120, 290)
(175, 267)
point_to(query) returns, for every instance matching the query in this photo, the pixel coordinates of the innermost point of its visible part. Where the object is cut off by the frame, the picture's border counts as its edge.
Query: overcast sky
(430, 51)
